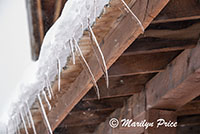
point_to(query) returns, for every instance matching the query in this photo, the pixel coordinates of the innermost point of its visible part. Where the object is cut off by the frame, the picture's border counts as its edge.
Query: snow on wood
(70, 26)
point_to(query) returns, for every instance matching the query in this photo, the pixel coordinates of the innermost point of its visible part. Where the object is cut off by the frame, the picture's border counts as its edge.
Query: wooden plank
(181, 78)
(85, 118)
(35, 23)
(154, 114)
(179, 10)
(114, 45)
(100, 105)
(191, 108)
(119, 86)
(141, 64)
(157, 45)
(187, 30)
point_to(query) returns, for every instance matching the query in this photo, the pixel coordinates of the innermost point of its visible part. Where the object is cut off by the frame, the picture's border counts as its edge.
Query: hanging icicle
(18, 123)
(45, 115)
(27, 117)
(47, 101)
(72, 51)
(87, 67)
(31, 118)
(101, 54)
(49, 85)
(133, 14)
(59, 73)
(24, 123)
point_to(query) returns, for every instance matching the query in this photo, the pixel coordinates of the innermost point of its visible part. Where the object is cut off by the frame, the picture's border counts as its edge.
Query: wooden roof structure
(152, 75)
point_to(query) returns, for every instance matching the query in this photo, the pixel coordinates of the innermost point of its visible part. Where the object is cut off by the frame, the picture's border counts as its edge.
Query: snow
(71, 24)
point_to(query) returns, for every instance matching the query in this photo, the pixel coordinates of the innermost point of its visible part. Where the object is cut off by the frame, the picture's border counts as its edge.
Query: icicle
(31, 118)
(72, 51)
(102, 56)
(48, 90)
(13, 126)
(133, 15)
(88, 68)
(45, 115)
(59, 73)
(49, 85)
(18, 124)
(22, 117)
(47, 101)
(27, 117)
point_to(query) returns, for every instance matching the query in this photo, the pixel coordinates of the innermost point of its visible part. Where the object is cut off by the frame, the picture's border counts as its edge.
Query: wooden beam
(170, 89)
(178, 84)
(119, 86)
(141, 64)
(179, 10)
(100, 105)
(158, 45)
(191, 108)
(113, 46)
(36, 28)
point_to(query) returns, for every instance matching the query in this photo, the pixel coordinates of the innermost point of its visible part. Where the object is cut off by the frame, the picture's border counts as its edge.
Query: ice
(133, 14)
(102, 56)
(70, 25)
(24, 123)
(45, 115)
(31, 119)
(46, 99)
(87, 67)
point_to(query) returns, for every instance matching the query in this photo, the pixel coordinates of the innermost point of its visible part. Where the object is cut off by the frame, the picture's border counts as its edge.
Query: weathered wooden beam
(85, 118)
(179, 10)
(158, 45)
(100, 105)
(141, 64)
(119, 86)
(113, 46)
(35, 23)
(191, 108)
(170, 89)
(178, 84)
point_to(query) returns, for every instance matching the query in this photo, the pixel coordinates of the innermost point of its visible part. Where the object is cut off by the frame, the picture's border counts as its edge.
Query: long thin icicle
(59, 73)
(48, 89)
(31, 118)
(97, 57)
(45, 115)
(88, 68)
(47, 101)
(72, 51)
(17, 125)
(27, 117)
(49, 85)
(133, 15)
(102, 56)
(24, 123)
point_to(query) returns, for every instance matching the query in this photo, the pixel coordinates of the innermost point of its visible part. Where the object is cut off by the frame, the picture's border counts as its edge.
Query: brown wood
(119, 86)
(36, 30)
(179, 10)
(114, 45)
(141, 64)
(181, 78)
(157, 45)
(191, 108)
(153, 115)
